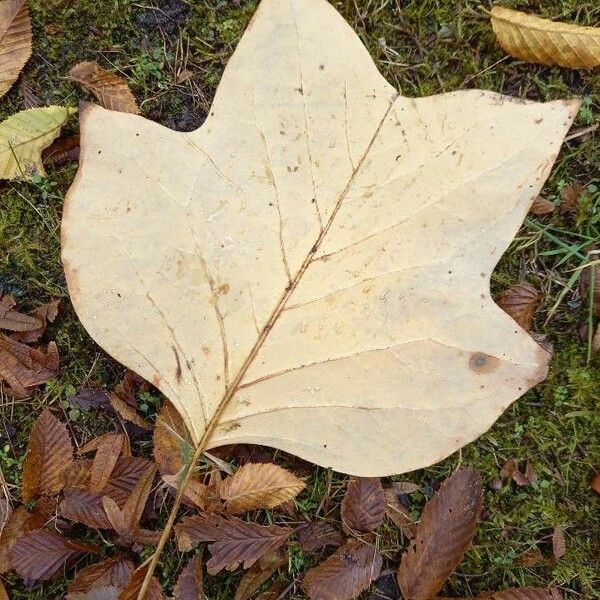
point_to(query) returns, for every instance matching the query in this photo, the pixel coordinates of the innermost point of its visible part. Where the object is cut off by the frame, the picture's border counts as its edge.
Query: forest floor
(423, 47)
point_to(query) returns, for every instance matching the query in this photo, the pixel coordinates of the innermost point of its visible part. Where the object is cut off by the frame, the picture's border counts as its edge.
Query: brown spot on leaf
(482, 363)
(178, 364)
(223, 289)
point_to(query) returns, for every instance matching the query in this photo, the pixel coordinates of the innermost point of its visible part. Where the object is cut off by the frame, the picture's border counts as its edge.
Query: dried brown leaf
(127, 412)
(173, 445)
(559, 542)
(446, 530)
(18, 524)
(111, 90)
(570, 197)
(45, 313)
(546, 42)
(345, 574)
(530, 557)
(541, 206)
(259, 572)
(13, 320)
(399, 514)
(363, 506)
(49, 453)
(511, 471)
(108, 592)
(233, 541)
(15, 41)
(259, 485)
(107, 454)
(190, 583)
(62, 151)
(3, 593)
(41, 555)
(317, 535)
(520, 301)
(90, 398)
(23, 367)
(524, 593)
(596, 483)
(132, 589)
(113, 572)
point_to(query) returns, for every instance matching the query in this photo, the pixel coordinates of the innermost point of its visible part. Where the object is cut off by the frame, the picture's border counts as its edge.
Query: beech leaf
(18, 524)
(12, 319)
(317, 535)
(446, 530)
(108, 453)
(111, 90)
(233, 541)
(520, 301)
(190, 583)
(363, 506)
(259, 572)
(24, 135)
(15, 41)
(320, 253)
(134, 585)
(258, 485)
(547, 42)
(113, 572)
(345, 574)
(49, 453)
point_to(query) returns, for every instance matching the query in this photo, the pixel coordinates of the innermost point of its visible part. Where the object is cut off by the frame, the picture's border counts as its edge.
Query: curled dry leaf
(63, 150)
(23, 367)
(570, 197)
(363, 506)
(113, 572)
(299, 287)
(24, 135)
(541, 206)
(15, 41)
(259, 485)
(46, 313)
(233, 541)
(317, 535)
(190, 583)
(41, 555)
(399, 514)
(546, 42)
(49, 453)
(259, 572)
(111, 90)
(13, 320)
(446, 530)
(345, 574)
(520, 301)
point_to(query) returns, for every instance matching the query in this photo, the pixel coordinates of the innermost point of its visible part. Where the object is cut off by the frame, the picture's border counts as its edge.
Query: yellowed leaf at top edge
(310, 269)
(547, 42)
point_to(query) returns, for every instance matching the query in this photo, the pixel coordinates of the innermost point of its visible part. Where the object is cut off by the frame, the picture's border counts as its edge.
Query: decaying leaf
(259, 485)
(363, 506)
(445, 531)
(134, 585)
(20, 522)
(90, 398)
(107, 454)
(547, 42)
(541, 206)
(61, 151)
(24, 135)
(49, 453)
(23, 367)
(520, 301)
(345, 574)
(559, 543)
(113, 572)
(596, 483)
(190, 583)
(173, 445)
(105, 592)
(259, 572)
(511, 471)
(317, 535)
(13, 320)
(127, 412)
(111, 90)
(570, 197)
(233, 541)
(15, 41)
(41, 555)
(45, 313)
(524, 593)
(399, 514)
(3, 593)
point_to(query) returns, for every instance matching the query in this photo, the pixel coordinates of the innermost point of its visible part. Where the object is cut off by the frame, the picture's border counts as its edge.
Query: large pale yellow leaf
(15, 41)
(547, 42)
(310, 269)
(24, 135)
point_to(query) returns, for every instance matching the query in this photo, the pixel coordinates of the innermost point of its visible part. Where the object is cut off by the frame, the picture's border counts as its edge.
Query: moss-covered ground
(424, 47)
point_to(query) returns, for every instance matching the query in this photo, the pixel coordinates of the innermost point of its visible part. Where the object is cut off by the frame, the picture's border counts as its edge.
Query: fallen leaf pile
(23, 366)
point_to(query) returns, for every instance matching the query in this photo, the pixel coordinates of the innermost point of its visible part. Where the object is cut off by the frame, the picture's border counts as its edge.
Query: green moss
(423, 47)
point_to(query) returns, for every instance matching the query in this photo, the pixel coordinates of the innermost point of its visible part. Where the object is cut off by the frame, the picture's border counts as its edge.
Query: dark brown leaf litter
(570, 197)
(90, 398)
(511, 471)
(541, 206)
(363, 506)
(520, 301)
(317, 535)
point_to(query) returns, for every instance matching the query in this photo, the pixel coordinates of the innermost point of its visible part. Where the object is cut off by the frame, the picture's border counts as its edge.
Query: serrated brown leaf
(190, 583)
(127, 412)
(541, 206)
(345, 574)
(15, 41)
(134, 585)
(49, 453)
(233, 541)
(23, 367)
(111, 90)
(520, 301)
(446, 530)
(113, 572)
(41, 555)
(18, 524)
(13, 320)
(363, 506)
(259, 572)
(273, 593)
(570, 197)
(62, 151)
(108, 452)
(399, 514)
(30, 99)
(546, 42)
(559, 542)
(107, 592)
(45, 313)
(257, 486)
(317, 535)
(524, 593)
